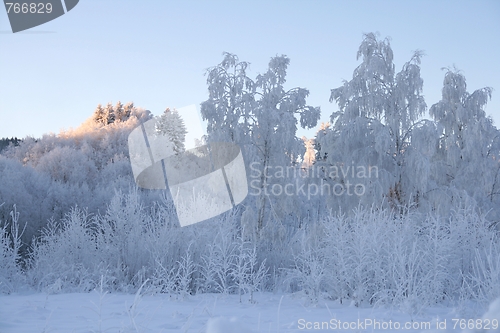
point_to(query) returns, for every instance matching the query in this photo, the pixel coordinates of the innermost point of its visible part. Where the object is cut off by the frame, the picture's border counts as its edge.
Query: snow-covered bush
(66, 255)
(413, 261)
(177, 278)
(308, 274)
(217, 263)
(122, 238)
(247, 274)
(483, 282)
(11, 277)
(81, 248)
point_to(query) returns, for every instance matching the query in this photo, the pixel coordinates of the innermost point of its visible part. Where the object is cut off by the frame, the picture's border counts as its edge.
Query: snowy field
(211, 313)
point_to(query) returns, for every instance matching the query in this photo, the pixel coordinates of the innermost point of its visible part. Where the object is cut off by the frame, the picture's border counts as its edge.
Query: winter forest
(394, 203)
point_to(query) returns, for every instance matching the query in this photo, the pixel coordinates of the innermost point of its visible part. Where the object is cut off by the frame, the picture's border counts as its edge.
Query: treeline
(5, 142)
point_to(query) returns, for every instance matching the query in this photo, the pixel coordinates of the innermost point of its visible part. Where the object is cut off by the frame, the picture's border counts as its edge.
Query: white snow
(210, 313)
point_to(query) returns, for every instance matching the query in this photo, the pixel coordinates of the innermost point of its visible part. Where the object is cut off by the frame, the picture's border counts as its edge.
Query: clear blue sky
(155, 53)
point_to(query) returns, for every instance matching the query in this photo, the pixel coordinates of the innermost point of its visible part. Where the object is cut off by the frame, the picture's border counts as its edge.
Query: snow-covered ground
(211, 313)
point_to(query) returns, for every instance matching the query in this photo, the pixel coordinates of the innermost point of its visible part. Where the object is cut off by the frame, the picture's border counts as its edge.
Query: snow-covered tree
(118, 111)
(128, 109)
(229, 108)
(469, 144)
(324, 130)
(98, 115)
(379, 109)
(310, 153)
(170, 123)
(274, 134)
(261, 116)
(109, 114)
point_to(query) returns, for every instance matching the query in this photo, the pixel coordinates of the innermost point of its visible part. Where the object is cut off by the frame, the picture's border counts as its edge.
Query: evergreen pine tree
(170, 123)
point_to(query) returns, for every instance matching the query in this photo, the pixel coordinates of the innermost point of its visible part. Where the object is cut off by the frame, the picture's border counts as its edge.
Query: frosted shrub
(469, 231)
(230, 264)
(161, 239)
(275, 245)
(413, 261)
(66, 254)
(163, 278)
(437, 276)
(336, 253)
(185, 274)
(356, 252)
(10, 257)
(406, 274)
(179, 256)
(176, 278)
(80, 249)
(248, 275)
(256, 275)
(308, 274)
(217, 264)
(122, 238)
(483, 282)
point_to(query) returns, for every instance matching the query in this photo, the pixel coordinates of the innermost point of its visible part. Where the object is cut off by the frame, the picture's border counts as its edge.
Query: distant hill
(47, 176)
